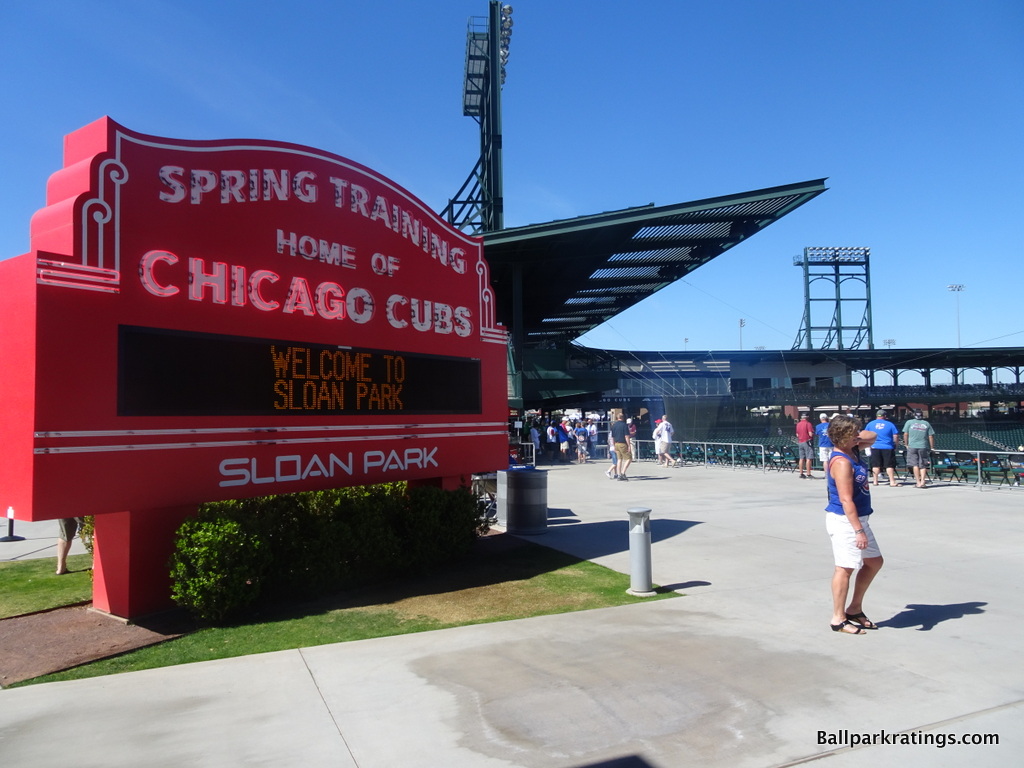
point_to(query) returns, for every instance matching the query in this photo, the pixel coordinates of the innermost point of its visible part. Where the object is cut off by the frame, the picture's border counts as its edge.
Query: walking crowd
(565, 440)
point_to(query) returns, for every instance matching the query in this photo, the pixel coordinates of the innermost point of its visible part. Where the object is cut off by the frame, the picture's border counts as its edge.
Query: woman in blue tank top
(847, 517)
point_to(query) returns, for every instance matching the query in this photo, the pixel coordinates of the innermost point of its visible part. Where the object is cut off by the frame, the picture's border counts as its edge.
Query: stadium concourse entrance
(556, 281)
(755, 397)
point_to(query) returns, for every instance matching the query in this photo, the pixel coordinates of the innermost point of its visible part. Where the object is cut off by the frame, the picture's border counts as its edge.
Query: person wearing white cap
(564, 437)
(663, 441)
(824, 443)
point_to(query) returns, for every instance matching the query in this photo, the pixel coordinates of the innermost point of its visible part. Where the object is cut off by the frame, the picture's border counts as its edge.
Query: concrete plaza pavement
(35, 540)
(740, 671)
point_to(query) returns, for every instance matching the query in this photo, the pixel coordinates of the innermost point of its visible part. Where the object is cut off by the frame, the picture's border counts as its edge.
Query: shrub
(86, 531)
(307, 544)
(217, 567)
(439, 526)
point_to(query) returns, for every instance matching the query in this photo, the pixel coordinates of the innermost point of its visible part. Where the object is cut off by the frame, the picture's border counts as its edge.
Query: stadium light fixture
(957, 288)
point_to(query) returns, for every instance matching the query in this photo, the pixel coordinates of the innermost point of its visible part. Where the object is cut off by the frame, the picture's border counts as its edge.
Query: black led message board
(177, 373)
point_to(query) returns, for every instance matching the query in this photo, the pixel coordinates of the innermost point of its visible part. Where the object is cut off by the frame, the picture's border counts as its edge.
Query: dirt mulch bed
(51, 641)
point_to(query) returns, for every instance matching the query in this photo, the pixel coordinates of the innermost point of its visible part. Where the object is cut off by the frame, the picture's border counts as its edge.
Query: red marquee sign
(201, 320)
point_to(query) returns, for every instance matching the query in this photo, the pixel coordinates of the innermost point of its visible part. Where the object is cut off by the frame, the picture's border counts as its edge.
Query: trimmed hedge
(217, 568)
(234, 554)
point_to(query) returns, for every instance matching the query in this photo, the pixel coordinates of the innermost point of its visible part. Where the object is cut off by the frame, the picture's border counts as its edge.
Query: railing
(748, 455)
(979, 468)
(527, 454)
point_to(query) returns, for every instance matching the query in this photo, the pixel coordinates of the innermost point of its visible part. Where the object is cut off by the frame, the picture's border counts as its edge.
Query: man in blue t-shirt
(883, 452)
(824, 443)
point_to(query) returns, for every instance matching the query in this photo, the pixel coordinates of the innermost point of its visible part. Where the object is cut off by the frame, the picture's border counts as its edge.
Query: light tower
(478, 206)
(957, 288)
(839, 279)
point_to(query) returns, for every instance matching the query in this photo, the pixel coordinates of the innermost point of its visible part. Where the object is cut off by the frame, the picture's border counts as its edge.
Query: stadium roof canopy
(556, 281)
(860, 360)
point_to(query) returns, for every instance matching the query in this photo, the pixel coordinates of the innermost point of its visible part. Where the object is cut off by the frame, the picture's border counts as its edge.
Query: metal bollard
(640, 581)
(10, 527)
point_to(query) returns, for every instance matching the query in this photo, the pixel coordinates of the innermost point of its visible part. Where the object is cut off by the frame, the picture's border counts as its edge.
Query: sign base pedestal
(131, 574)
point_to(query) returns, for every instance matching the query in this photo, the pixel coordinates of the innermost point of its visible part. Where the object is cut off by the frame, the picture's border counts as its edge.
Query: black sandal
(863, 621)
(839, 628)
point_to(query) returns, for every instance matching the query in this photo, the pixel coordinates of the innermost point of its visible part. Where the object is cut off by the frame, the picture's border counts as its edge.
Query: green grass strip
(28, 586)
(513, 581)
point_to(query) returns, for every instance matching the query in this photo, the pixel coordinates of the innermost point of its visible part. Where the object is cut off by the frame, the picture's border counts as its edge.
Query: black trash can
(523, 500)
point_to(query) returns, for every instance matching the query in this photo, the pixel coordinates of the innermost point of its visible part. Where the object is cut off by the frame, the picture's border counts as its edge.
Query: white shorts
(823, 454)
(844, 541)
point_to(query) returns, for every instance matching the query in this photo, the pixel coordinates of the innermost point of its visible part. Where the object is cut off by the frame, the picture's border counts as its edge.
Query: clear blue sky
(913, 109)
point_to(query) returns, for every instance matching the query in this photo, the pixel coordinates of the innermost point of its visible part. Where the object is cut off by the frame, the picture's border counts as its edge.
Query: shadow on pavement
(682, 585)
(607, 537)
(632, 761)
(925, 617)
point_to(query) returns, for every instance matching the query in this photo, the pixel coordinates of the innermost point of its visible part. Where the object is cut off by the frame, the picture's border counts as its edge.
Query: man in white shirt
(663, 442)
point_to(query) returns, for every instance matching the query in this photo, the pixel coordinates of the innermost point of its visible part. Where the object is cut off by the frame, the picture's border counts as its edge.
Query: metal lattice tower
(478, 206)
(836, 280)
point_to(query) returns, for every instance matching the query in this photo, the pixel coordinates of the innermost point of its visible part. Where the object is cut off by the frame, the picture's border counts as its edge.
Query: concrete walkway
(742, 671)
(35, 540)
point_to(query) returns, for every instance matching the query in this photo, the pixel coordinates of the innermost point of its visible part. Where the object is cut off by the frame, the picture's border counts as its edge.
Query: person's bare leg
(63, 547)
(867, 573)
(840, 589)
(624, 465)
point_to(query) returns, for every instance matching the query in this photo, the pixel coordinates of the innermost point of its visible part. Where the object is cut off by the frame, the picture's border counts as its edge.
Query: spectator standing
(883, 452)
(805, 447)
(582, 437)
(631, 423)
(552, 441)
(535, 439)
(824, 443)
(846, 520)
(592, 437)
(920, 439)
(67, 528)
(564, 437)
